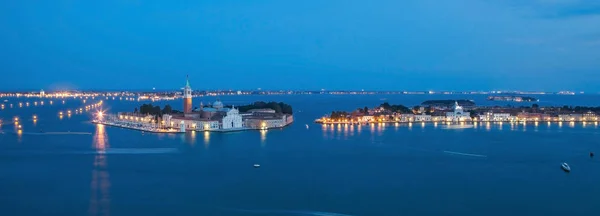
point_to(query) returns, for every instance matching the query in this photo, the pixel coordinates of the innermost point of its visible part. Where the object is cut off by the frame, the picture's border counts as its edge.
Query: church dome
(218, 104)
(457, 108)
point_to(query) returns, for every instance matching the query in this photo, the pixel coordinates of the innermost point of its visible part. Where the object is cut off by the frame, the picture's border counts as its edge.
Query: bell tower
(187, 96)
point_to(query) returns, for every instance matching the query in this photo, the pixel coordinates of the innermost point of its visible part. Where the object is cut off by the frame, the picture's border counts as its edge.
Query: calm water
(320, 170)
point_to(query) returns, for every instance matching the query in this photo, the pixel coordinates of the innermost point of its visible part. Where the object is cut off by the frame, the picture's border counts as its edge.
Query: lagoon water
(492, 169)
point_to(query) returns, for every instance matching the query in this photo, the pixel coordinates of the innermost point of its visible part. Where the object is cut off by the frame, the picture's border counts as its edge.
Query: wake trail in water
(288, 212)
(464, 154)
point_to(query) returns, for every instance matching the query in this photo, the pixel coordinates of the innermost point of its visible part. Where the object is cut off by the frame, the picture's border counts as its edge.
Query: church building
(458, 114)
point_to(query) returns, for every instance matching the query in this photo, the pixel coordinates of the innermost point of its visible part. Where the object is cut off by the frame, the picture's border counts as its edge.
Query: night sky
(546, 45)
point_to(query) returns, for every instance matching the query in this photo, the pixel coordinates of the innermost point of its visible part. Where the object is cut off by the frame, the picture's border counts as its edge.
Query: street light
(100, 115)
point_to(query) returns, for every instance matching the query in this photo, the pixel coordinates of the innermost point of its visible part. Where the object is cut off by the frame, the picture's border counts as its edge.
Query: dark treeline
(580, 109)
(395, 108)
(387, 107)
(278, 107)
(338, 114)
(148, 109)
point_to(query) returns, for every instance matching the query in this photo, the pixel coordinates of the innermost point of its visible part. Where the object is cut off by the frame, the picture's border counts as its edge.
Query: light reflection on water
(190, 138)
(346, 131)
(100, 185)
(206, 139)
(263, 138)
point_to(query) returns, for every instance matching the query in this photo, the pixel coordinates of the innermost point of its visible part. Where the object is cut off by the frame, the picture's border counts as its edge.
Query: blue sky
(311, 44)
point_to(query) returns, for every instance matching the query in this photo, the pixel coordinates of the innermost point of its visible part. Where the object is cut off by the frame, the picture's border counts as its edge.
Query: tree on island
(386, 106)
(167, 109)
(395, 108)
(148, 109)
(339, 115)
(278, 107)
(474, 114)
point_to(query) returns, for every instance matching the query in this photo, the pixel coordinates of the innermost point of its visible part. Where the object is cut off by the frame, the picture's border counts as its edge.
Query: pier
(139, 127)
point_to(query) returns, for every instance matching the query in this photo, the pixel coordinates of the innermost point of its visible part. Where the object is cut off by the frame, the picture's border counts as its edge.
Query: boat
(591, 154)
(5, 100)
(256, 165)
(307, 126)
(565, 167)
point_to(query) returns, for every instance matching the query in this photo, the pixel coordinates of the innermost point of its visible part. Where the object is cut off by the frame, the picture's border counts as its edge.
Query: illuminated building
(458, 114)
(187, 97)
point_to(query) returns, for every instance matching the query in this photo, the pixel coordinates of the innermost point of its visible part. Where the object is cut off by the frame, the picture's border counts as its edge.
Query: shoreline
(173, 131)
(134, 128)
(448, 122)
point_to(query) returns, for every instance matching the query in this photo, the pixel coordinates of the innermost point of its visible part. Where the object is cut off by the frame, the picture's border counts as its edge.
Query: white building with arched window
(459, 114)
(232, 120)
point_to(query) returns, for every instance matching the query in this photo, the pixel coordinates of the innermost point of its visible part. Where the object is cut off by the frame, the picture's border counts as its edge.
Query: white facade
(232, 120)
(501, 117)
(407, 117)
(458, 115)
(564, 117)
(274, 123)
(489, 116)
(422, 118)
(265, 123)
(190, 124)
(367, 118)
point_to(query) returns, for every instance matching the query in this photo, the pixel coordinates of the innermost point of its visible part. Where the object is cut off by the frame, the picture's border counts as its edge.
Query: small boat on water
(565, 167)
(5, 100)
(591, 154)
(256, 165)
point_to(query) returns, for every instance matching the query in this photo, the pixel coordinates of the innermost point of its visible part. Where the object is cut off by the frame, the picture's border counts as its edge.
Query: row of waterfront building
(214, 117)
(458, 114)
(226, 120)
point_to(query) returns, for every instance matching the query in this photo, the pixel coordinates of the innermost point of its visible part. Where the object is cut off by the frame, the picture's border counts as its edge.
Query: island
(438, 112)
(448, 103)
(214, 116)
(512, 98)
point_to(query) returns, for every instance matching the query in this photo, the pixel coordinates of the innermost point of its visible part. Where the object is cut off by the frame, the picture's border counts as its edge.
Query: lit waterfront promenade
(150, 126)
(444, 121)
